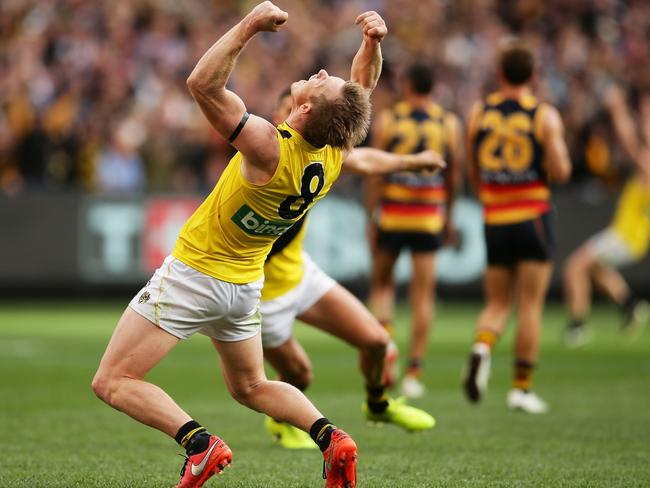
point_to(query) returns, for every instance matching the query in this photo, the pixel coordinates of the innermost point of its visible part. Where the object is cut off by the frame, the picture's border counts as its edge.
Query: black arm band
(238, 129)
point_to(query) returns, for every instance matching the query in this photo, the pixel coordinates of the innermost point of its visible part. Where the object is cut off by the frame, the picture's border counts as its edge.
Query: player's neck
(515, 92)
(296, 121)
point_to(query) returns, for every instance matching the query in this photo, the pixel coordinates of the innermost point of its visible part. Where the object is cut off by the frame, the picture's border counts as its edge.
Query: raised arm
(624, 126)
(557, 161)
(366, 66)
(254, 137)
(369, 161)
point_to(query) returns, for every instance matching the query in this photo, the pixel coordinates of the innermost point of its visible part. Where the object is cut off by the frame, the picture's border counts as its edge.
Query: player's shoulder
(547, 120)
(402, 109)
(285, 132)
(548, 114)
(494, 99)
(293, 141)
(529, 102)
(435, 110)
(473, 116)
(452, 123)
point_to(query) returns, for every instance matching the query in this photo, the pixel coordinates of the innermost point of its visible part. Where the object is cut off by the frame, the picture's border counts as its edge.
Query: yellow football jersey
(230, 234)
(284, 270)
(632, 218)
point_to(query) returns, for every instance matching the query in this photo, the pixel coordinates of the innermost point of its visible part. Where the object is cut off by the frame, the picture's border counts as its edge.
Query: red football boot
(340, 465)
(199, 467)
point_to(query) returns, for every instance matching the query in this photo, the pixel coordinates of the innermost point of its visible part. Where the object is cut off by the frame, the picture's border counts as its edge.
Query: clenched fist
(373, 25)
(428, 162)
(267, 17)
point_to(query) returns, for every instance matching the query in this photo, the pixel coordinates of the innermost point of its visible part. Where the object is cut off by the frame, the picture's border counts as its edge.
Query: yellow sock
(486, 336)
(388, 325)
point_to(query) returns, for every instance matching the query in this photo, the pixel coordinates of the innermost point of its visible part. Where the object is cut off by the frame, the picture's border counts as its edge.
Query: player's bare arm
(453, 174)
(626, 131)
(558, 163)
(369, 161)
(624, 126)
(373, 184)
(255, 137)
(472, 128)
(366, 66)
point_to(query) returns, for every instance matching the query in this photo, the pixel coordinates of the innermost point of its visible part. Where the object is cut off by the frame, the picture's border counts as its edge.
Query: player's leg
(381, 298)
(341, 314)
(498, 289)
(609, 281)
(136, 346)
(635, 311)
(577, 273)
(293, 366)
(281, 350)
(243, 371)
(382, 286)
(421, 299)
(597, 259)
(291, 362)
(533, 278)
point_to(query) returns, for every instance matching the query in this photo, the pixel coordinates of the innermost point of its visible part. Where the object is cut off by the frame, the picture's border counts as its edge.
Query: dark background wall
(69, 245)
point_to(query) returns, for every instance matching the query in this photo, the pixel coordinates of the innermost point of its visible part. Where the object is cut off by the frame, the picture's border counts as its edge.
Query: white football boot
(412, 387)
(526, 401)
(478, 372)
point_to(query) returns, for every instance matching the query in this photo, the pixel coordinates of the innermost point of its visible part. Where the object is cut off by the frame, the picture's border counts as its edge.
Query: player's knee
(569, 268)
(376, 342)
(575, 265)
(500, 307)
(301, 378)
(382, 282)
(246, 392)
(104, 386)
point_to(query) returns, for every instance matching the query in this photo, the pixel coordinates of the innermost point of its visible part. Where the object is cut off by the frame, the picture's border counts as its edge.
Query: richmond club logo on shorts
(252, 223)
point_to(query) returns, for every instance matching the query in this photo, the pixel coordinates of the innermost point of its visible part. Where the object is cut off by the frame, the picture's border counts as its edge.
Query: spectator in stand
(69, 67)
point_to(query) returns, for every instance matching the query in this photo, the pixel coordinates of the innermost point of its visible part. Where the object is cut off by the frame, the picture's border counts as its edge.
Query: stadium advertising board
(124, 241)
(121, 241)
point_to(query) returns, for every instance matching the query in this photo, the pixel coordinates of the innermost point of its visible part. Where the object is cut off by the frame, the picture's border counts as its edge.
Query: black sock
(576, 323)
(321, 433)
(414, 368)
(414, 363)
(629, 303)
(193, 437)
(377, 400)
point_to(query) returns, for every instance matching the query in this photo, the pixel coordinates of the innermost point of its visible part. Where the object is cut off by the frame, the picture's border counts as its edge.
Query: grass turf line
(55, 433)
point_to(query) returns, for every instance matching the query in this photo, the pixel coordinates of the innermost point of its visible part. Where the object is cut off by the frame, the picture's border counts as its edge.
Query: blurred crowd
(93, 95)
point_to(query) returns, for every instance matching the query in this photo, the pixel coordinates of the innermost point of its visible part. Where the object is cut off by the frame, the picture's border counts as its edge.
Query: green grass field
(55, 433)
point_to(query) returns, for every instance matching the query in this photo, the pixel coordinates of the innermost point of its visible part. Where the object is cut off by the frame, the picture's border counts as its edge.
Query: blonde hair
(342, 122)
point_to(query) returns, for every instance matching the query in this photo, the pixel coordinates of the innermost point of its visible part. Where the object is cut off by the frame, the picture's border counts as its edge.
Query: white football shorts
(184, 301)
(279, 314)
(610, 248)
